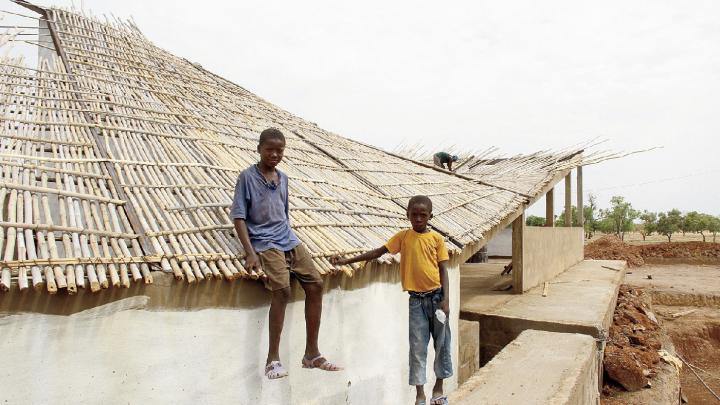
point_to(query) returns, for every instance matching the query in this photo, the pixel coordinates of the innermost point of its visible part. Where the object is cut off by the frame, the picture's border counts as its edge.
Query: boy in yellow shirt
(423, 271)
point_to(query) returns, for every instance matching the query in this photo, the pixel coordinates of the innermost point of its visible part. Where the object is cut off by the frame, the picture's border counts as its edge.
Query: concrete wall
(469, 350)
(174, 343)
(548, 252)
(501, 244)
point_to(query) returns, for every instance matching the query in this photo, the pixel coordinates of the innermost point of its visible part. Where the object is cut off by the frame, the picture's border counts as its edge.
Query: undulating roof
(119, 158)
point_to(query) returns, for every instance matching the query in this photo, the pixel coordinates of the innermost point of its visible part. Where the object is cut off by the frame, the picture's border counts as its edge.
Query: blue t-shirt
(264, 207)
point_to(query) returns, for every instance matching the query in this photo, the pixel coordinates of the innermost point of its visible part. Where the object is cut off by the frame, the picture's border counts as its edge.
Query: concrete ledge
(580, 300)
(537, 368)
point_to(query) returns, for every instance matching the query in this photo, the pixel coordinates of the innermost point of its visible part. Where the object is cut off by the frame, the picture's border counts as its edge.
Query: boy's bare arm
(373, 254)
(445, 304)
(251, 259)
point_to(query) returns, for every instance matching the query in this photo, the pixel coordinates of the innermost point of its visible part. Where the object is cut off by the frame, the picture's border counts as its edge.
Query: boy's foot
(321, 363)
(439, 399)
(275, 370)
(420, 401)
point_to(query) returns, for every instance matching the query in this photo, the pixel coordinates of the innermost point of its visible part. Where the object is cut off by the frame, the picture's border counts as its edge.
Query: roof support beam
(568, 200)
(550, 208)
(580, 205)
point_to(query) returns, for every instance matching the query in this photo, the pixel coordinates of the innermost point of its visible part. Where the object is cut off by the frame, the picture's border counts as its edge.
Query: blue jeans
(424, 324)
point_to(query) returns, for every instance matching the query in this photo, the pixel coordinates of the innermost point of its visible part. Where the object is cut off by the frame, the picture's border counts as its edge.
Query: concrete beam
(580, 205)
(537, 368)
(518, 228)
(550, 208)
(568, 200)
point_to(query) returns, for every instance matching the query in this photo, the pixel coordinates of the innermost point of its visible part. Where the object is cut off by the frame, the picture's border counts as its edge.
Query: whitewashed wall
(206, 344)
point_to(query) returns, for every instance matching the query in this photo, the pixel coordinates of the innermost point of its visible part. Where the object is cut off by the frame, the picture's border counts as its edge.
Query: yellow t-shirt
(419, 257)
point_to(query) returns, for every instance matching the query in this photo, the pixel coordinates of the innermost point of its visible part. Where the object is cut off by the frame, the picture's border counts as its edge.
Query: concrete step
(538, 367)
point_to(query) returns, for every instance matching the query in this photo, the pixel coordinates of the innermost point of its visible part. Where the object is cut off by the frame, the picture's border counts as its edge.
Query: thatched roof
(119, 157)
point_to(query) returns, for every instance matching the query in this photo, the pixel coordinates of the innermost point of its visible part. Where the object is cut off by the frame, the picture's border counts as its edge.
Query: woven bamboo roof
(119, 158)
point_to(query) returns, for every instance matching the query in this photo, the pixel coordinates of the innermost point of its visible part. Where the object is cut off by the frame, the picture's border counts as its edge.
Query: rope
(698, 376)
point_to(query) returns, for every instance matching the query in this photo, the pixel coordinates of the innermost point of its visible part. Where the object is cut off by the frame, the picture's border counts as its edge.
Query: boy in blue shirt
(260, 214)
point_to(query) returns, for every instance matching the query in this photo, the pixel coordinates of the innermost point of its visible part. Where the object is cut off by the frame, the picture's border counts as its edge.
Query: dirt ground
(696, 337)
(682, 280)
(611, 247)
(679, 284)
(686, 301)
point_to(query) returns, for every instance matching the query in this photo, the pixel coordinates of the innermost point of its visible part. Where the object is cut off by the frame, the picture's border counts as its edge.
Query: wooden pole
(518, 229)
(550, 208)
(568, 200)
(580, 205)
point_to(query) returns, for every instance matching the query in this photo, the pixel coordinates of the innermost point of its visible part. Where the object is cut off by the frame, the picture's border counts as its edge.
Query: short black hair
(420, 199)
(271, 133)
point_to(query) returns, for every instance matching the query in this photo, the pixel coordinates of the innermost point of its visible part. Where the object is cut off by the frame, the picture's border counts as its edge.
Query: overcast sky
(522, 76)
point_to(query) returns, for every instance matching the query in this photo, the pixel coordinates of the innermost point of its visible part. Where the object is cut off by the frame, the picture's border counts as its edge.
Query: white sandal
(325, 365)
(275, 370)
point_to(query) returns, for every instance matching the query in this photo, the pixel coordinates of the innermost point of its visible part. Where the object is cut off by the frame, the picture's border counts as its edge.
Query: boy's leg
(276, 320)
(302, 266)
(278, 282)
(443, 348)
(313, 313)
(419, 336)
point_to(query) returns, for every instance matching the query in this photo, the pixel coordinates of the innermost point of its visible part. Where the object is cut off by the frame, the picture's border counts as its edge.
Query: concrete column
(518, 229)
(568, 200)
(550, 208)
(580, 216)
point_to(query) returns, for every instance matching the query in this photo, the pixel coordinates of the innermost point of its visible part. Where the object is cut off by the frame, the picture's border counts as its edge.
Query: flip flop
(325, 365)
(275, 370)
(441, 400)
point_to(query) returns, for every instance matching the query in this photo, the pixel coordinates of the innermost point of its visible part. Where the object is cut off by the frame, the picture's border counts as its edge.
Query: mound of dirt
(681, 250)
(631, 354)
(610, 247)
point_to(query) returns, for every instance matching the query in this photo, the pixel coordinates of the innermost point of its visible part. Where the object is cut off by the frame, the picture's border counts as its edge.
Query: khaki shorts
(278, 266)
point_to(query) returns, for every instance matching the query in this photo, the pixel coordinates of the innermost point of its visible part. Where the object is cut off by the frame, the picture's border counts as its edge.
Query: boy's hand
(338, 261)
(445, 306)
(252, 262)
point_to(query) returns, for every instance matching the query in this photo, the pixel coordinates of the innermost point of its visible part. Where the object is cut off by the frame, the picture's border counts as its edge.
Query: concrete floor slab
(537, 368)
(580, 300)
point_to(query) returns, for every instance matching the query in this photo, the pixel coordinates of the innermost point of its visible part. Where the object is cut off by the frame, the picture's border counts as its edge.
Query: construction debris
(631, 355)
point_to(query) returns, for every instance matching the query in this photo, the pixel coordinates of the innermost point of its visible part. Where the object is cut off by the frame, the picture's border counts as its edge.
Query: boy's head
(419, 212)
(271, 147)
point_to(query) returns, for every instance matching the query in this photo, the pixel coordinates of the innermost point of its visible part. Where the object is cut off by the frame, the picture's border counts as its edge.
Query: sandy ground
(677, 278)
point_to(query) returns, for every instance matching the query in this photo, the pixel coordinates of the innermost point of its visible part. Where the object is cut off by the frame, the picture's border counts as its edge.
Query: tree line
(621, 217)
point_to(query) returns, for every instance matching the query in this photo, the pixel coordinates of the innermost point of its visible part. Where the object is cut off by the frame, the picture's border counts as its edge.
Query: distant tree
(669, 223)
(648, 225)
(590, 212)
(560, 219)
(713, 225)
(695, 223)
(534, 220)
(706, 223)
(606, 225)
(621, 214)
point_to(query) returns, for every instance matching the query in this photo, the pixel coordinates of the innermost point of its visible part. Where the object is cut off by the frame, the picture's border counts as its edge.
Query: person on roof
(260, 214)
(423, 274)
(443, 158)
